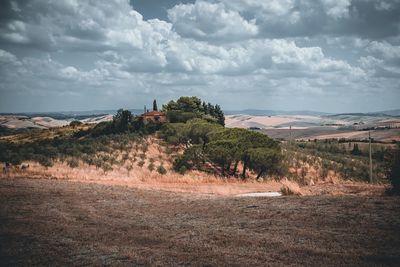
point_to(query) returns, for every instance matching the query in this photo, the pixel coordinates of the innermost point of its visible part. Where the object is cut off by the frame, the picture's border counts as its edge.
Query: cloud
(362, 18)
(384, 50)
(102, 50)
(7, 58)
(383, 60)
(336, 9)
(210, 21)
(75, 25)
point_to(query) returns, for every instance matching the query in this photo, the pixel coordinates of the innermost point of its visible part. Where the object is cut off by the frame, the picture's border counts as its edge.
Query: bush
(75, 123)
(102, 128)
(44, 161)
(141, 163)
(125, 157)
(145, 147)
(181, 164)
(106, 167)
(182, 170)
(73, 163)
(151, 167)
(161, 170)
(286, 191)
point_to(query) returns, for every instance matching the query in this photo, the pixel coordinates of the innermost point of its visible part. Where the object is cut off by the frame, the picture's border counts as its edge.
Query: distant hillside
(268, 112)
(70, 115)
(392, 112)
(260, 112)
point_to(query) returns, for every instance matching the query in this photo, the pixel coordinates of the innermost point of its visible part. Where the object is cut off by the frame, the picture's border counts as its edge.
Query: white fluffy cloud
(210, 21)
(336, 8)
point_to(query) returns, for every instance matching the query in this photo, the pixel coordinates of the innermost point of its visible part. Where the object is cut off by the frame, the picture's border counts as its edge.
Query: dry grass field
(55, 222)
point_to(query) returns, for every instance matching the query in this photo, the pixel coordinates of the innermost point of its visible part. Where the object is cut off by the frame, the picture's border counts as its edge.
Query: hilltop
(195, 149)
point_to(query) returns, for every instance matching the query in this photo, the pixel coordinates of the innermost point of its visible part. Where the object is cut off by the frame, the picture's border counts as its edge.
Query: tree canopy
(190, 107)
(224, 147)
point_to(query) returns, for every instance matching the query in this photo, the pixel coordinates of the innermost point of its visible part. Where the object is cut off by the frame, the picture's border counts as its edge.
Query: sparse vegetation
(348, 162)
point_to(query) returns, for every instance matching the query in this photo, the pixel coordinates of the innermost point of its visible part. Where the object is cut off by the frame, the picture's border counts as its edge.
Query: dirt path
(50, 222)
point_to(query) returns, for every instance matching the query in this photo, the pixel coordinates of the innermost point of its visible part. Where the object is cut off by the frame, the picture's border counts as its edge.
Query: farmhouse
(154, 116)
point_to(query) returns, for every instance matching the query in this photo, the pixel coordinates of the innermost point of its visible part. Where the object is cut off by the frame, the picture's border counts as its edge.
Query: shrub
(181, 164)
(286, 191)
(161, 170)
(125, 157)
(182, 170)
(73, 163)
(323, 172)
(168, 151)
(106, 167)
(97, 162)
(75, 123)
(151, 167)
(141, 163)
(44, 161)
(129, 168)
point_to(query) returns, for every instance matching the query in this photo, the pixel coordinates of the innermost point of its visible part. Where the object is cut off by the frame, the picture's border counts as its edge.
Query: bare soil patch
(55, 222)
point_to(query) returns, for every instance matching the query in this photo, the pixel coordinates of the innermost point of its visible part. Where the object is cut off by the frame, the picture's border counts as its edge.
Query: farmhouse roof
(154, 113)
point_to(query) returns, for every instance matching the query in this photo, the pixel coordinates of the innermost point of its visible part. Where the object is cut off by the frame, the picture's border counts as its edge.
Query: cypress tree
(155, 108)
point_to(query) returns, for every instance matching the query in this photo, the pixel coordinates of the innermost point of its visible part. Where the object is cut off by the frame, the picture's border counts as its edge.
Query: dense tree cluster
(211, 143)
(187, 108)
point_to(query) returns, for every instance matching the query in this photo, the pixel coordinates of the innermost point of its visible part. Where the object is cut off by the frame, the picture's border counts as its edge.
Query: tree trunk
(259, 174)
(228, 167)
(223, 169)
(235, 167)
(244, 169)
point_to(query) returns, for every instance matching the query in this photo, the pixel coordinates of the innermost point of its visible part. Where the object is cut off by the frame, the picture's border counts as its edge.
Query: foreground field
(49, 222)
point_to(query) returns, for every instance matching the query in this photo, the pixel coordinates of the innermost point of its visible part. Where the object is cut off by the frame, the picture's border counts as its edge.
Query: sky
(324, 55)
